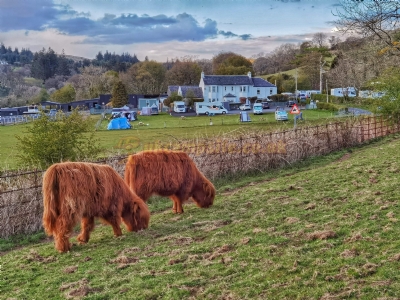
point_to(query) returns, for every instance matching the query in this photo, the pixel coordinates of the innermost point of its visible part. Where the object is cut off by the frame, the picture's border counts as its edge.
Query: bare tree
(319, 39)
(370, 18)
(334, 41)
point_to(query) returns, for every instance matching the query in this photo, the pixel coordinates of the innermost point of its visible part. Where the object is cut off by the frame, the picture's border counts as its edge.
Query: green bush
(279, 98)
(327, 106)
(65, 138)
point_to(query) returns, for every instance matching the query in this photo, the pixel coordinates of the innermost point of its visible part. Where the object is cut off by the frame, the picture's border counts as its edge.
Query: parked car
(281, 114)
(244, 107)
(290, 103)
(257, 109)
(265, 105)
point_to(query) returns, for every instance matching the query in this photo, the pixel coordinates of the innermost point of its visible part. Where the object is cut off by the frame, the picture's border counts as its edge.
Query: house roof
(260, 82)
(197, 91)
(172, 88)
(227, 80)
(236, 80)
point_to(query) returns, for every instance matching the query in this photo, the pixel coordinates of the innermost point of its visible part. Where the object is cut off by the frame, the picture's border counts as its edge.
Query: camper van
(341, 92)
(210, 108)
(179, 106)
(257, 109)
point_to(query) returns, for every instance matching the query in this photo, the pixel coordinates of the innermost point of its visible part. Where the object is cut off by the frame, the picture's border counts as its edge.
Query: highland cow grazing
(74, 191)
(170, 174)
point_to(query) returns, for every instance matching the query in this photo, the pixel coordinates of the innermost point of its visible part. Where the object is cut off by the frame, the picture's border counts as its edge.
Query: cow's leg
(115, 222)
(61, 235)
(177, 207)
(87, 225)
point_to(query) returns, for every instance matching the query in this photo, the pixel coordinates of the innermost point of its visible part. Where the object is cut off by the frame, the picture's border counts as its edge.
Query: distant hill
(76, 58)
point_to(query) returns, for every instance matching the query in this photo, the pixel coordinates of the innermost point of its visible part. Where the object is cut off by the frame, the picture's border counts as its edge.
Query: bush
(48, 141)
(279, 98)
(327, 106)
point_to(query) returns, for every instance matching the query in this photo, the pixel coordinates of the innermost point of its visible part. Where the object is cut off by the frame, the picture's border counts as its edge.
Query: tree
(184, 72)
(42, 96)
(147, 78)
(64, 95)
(229, 63)
(92, 82)
(63, 66)
(50, 141)
(44, 64)
(371, 18)
(319, 39)
(119, 95)
(389, 84)
(172, 98)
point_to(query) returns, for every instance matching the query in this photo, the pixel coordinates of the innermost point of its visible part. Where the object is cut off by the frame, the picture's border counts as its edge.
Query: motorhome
(341, 92)
(258, 109)
(210, 108)
(179, 106)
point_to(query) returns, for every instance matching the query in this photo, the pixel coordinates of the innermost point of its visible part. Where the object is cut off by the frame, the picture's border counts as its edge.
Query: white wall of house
(216, 93)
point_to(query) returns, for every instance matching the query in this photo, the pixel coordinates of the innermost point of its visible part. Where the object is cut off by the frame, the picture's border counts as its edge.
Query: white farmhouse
(230, 88)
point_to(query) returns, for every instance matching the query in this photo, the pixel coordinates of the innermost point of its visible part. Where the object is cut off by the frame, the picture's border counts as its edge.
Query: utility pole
(327, 97)
(295, 76)
(320, 74)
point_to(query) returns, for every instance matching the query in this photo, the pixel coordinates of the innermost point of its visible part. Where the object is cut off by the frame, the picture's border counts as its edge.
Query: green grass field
(164, 128)
(325, 228)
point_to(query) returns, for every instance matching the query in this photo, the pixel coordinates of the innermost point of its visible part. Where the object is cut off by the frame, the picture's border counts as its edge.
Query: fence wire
(21, 205)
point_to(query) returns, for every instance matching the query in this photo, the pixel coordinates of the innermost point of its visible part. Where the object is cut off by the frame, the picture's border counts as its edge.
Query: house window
(240, 88)
(232, 88)
(244, 89)
(213, 89)
(225, 88)
(270, 91)
(209, 88)
(258, 91)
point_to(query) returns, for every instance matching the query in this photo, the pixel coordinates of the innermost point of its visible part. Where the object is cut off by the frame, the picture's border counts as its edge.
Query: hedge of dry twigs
(20, 193)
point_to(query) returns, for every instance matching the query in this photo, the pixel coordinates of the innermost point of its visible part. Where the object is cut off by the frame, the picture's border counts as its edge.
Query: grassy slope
(262, 239)
(191, 127)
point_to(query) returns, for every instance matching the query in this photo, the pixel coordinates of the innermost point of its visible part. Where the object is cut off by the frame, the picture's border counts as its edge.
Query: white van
(257, 109)
(179, 106)
(210, 108)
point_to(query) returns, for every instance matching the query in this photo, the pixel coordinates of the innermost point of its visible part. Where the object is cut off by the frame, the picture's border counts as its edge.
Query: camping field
(164, 128)
(325, 228)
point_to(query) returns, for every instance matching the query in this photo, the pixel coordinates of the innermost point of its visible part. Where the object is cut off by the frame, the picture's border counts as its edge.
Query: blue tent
(119, 123)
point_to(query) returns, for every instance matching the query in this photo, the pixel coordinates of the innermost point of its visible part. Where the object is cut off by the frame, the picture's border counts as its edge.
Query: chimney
(249, 74)
(202, 74)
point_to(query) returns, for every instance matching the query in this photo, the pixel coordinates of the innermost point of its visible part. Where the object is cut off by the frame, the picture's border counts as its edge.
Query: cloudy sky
(162, 29)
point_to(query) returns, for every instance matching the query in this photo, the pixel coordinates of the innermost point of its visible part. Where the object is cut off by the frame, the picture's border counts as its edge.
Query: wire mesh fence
(21, 204)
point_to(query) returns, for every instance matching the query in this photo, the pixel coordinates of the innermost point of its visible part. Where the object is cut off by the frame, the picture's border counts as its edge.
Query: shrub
(279, 98)
(67, 137)
(327, 106)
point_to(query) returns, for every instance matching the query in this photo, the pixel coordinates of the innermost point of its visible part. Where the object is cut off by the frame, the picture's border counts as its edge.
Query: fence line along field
(327, 230)
(162, 127)
(216, 157)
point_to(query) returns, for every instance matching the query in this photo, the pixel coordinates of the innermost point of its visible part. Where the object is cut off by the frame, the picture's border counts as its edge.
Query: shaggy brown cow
(168, 173)
(74, 191)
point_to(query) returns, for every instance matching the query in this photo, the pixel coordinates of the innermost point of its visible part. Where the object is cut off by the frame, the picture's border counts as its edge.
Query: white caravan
(341, 92)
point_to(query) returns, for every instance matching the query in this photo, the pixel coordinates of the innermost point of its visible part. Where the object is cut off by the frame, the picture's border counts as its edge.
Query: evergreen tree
(119, 95)
(44, 64)
(63, 65)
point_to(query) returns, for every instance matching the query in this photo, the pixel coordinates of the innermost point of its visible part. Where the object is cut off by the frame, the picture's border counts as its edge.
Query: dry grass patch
(321, 235)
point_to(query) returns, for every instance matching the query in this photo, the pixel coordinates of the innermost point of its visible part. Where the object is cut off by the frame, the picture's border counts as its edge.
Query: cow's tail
(50, 190)
(130, 172)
